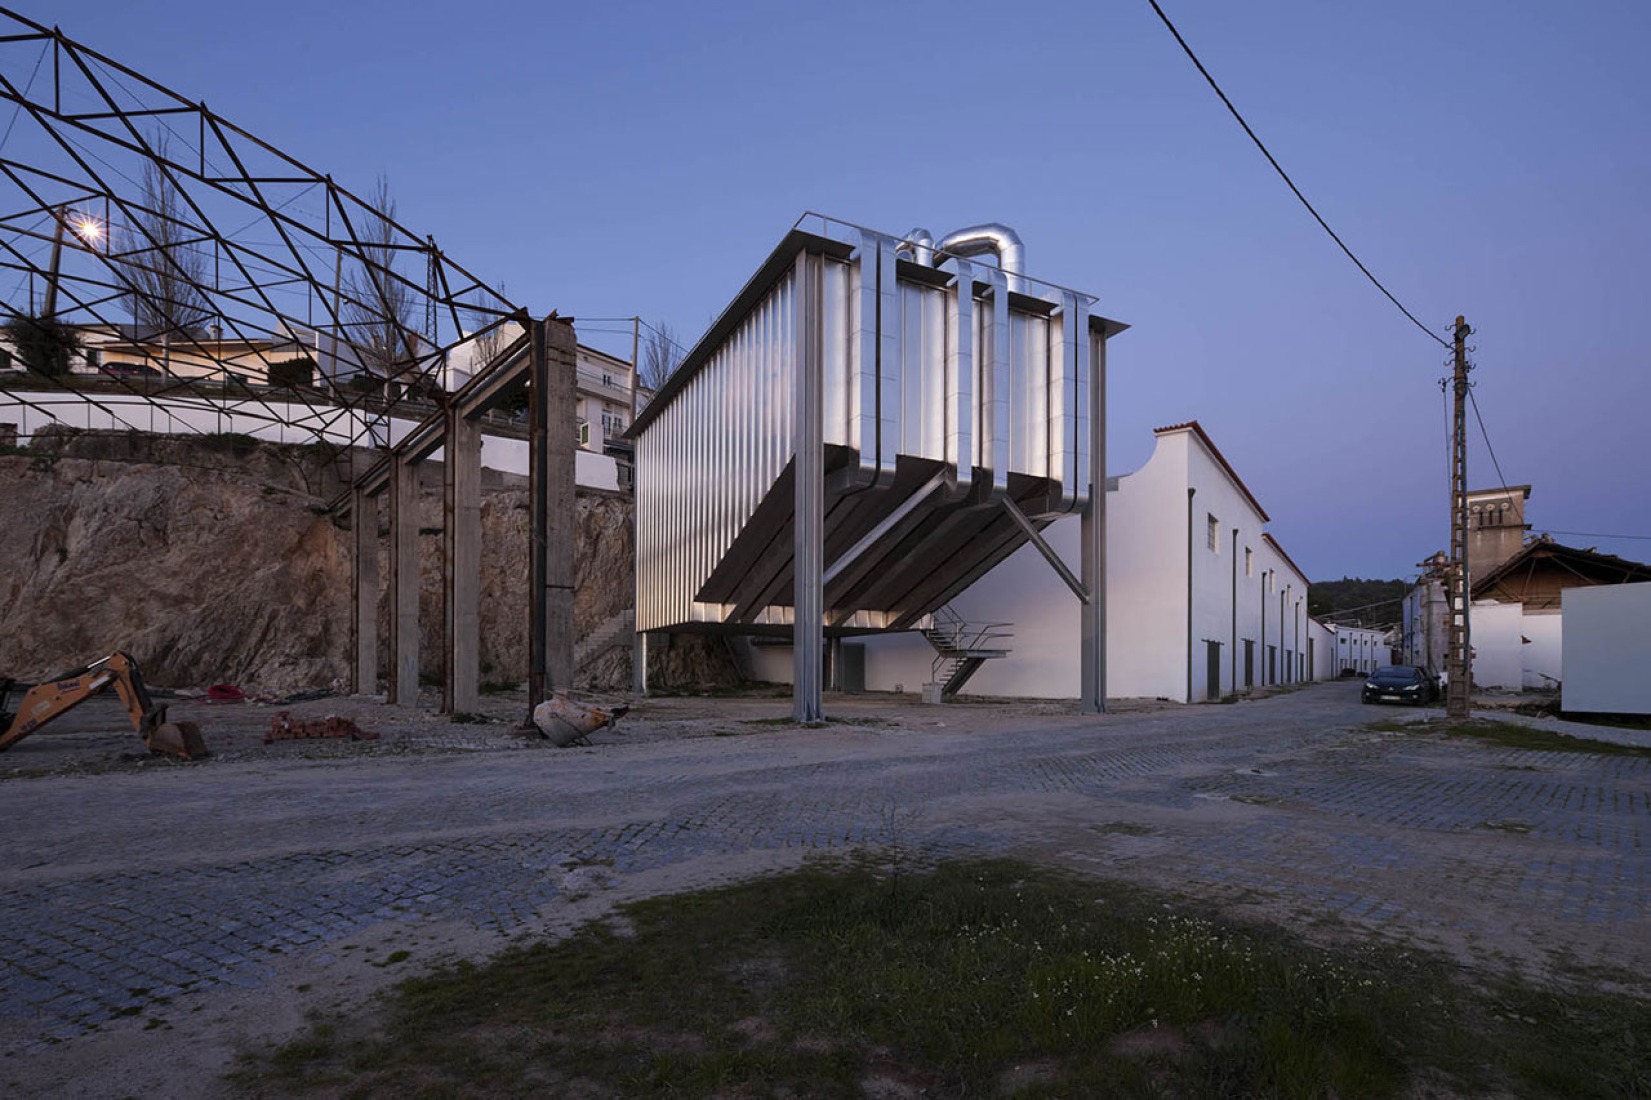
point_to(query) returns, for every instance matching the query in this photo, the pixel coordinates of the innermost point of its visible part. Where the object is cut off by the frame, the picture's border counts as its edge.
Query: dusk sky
(1484, 157)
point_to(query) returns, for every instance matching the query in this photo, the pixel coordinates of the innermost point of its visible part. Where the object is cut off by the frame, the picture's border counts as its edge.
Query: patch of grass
(466, 718)
(498, 687)
(848, 979)
(1123, 828)
(1512, 735)
(1390, 725)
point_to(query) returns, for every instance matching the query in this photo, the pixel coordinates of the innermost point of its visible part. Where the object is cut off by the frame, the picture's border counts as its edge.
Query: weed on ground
(975, 978)
(1512, 735)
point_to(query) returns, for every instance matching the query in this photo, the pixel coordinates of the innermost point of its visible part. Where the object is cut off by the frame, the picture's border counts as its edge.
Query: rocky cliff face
(214, 560)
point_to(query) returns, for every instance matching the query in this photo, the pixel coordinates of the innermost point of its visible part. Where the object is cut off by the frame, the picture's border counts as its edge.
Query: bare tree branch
(377, 305)
(661, 354)
(164, 263)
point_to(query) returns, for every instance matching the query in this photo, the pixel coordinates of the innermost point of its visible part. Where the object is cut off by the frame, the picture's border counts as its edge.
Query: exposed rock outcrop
(214, 560)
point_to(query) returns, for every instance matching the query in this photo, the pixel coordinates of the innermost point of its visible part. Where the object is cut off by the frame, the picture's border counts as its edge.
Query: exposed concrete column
(1092, 566)
(364, 517)
(461, 561)
(551, 502)
(808, 468)
(404, 582)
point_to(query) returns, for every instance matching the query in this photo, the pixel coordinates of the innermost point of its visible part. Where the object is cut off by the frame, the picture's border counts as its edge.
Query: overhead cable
(1285, 176)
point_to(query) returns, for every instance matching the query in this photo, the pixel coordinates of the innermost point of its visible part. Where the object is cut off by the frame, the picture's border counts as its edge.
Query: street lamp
(84, 226)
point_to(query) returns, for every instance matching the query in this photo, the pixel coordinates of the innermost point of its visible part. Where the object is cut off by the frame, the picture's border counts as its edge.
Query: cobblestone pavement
(130, 895)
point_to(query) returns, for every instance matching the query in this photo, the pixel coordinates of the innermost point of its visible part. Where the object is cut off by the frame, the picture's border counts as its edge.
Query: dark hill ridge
(1357, 602)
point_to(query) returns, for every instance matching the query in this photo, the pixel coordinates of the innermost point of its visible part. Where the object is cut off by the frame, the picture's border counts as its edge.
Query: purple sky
(1484, 157)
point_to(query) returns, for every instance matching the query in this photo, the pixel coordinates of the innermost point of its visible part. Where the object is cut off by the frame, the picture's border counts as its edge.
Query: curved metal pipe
(992, 237)
(919, 244)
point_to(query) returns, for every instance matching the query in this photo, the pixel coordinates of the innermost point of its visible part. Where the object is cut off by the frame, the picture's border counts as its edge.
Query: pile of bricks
(283, 728)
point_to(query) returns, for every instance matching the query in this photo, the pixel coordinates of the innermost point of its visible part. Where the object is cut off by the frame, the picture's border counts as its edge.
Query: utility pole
(636, 365)
(48, 308)
(1458, 660)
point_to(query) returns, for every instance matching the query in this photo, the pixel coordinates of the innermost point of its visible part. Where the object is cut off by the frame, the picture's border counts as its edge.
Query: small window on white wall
(1215, 534)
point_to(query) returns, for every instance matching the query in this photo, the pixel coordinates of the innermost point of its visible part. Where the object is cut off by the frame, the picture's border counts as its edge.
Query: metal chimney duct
(920, 244)
(992, 237)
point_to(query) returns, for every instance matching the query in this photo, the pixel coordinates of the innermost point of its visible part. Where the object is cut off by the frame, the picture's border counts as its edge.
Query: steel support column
(364, 518)
(808, 546)
(404, 582)
(461, 561)
(1092, 552)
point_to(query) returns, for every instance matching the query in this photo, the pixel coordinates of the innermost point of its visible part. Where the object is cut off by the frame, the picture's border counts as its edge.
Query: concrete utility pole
(1458, 660)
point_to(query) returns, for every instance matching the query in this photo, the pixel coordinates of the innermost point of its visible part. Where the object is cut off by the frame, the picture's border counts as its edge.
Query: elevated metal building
(871, 425)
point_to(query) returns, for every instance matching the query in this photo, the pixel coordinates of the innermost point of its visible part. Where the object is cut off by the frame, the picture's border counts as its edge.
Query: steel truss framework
(121, 200)
(251, 257)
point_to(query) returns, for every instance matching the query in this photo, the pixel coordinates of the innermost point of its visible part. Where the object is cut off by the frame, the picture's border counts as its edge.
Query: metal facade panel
(708, 459)
(923, 371)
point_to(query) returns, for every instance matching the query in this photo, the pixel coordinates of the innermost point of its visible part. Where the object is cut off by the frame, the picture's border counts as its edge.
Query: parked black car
(1400, 684)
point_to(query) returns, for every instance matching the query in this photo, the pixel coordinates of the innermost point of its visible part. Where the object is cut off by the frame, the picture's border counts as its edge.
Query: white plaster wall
(1543, 653)
(1324, 649)
(1221, 585)
(1284, 624)
(1498, 657)
(903, 661)
(1361, 649)
(295, 423)
(1146, 592)
(1607, 649)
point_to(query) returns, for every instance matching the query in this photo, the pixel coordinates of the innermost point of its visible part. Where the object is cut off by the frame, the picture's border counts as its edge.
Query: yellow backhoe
(48, 700)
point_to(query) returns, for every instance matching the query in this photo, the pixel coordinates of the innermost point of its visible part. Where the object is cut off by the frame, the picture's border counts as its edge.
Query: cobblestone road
(123, 892)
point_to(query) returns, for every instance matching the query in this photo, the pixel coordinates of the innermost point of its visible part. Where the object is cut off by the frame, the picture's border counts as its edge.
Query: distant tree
(292, 373)
(45, 345)
(661, 354)
(378, 305)
(487, 343)
(164, 264)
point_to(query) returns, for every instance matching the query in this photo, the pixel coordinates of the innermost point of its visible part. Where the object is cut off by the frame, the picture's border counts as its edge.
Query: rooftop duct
(975, 240)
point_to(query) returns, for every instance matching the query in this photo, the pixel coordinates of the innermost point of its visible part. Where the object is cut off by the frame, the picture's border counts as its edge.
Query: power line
(26, 89)
(1597, 535)
(1285, 176)
(1486, 435)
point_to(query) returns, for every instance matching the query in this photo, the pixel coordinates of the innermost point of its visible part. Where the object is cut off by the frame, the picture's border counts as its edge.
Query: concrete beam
(364, 521)
(461, 562)
(404, 583)
(553, 420)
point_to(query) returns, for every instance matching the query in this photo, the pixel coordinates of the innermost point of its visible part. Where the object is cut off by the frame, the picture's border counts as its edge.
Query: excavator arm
(53, 698)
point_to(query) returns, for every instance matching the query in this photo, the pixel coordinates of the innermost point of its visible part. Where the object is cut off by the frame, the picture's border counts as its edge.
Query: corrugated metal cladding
(945, 393)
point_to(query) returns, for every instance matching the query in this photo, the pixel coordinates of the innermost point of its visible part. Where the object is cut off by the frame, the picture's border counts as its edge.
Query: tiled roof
(1270, 541)
(1197, 429)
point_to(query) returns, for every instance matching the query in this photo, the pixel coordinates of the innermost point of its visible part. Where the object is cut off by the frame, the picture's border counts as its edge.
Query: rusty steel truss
(203, 255)
(144, 224)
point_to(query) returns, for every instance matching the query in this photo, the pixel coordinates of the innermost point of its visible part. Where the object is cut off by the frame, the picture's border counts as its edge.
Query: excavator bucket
(180, 739)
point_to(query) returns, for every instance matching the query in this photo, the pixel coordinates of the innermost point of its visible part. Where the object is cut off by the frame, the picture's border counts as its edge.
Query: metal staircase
(961, 648)
(617, 631)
